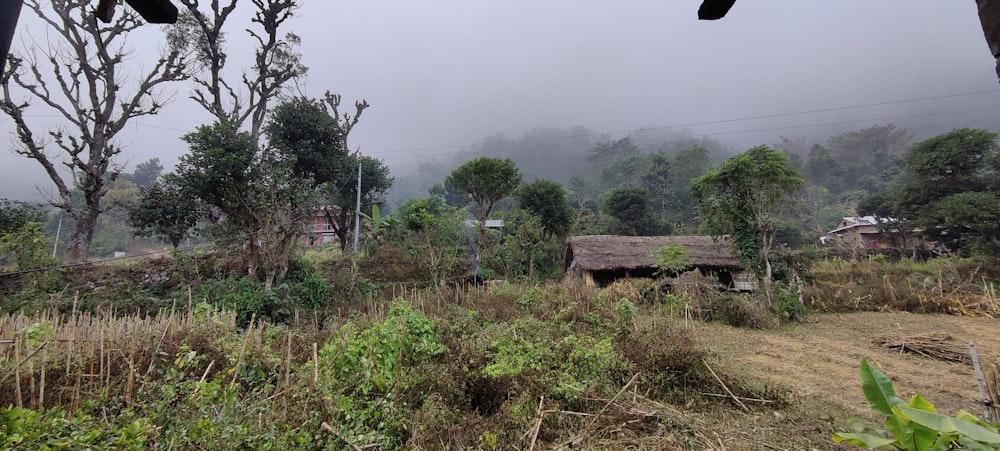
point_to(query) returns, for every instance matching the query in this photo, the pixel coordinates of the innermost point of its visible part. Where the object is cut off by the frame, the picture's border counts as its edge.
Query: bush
(742, 310)
(787, 303)
(366, 369)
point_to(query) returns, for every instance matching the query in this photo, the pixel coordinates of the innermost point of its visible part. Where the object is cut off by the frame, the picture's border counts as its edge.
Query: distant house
(870, 232)
(495, 224)
(319, 231)
(601, 259)
(857, 232)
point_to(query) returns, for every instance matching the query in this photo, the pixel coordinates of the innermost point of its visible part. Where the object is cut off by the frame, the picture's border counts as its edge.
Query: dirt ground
(815, 363)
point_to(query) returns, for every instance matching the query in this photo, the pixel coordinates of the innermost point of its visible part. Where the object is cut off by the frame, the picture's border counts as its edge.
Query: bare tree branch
(89, 98)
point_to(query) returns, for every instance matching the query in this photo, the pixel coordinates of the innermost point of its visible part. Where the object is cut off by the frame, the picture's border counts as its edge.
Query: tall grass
(944, 285)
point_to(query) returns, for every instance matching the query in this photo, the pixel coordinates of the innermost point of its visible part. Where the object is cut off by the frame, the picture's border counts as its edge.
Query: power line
(713, 122)
(733, 132)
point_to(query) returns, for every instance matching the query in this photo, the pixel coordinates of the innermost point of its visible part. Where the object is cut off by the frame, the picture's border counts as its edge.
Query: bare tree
(343, 192)
(89, 91)
(276, 63)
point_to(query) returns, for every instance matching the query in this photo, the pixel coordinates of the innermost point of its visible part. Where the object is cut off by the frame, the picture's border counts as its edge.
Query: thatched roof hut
(603, 258)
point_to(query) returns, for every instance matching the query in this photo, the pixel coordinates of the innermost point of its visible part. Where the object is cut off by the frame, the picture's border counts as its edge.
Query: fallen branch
(613, 399)
(538, 424)
(724, 387)
(762, 401)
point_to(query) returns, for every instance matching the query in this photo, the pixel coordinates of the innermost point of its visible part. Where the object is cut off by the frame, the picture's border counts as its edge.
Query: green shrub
(366, 369)
(22, 428)
(787, 304)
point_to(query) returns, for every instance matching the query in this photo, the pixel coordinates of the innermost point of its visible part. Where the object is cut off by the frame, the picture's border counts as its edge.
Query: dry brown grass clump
(943, 285)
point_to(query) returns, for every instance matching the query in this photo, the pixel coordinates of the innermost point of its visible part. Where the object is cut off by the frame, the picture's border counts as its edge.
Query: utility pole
(55, 244)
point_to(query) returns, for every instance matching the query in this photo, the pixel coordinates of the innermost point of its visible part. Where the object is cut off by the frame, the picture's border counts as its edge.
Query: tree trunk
(79, 243)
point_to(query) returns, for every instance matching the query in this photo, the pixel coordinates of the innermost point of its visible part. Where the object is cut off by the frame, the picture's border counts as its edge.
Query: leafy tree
(89, 93)
(548, 201)
(14, 214)
(686, 165)
(625, 171)
(656, 178)
(632, 212)
(250, 196)
(523, 242)
(857, 160)
(486, 180)
(342, 191)
(375, 183)
(165, 210)
(433, 231)
(147, 173)
(28, 247)
(452, 195)
(948, 188)
(743, 198)
(606, 152)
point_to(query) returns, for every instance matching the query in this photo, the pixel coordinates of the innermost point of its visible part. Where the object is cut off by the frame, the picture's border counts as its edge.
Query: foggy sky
(443, 74)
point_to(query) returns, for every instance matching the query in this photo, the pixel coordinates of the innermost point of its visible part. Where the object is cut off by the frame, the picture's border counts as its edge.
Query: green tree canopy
(948, 188)
(14, 214)
(255, 194)
(743, 199)
(302, 131)
(146, 173)
(632, 212)
(486, 180)
(548, 201)
(166, 211)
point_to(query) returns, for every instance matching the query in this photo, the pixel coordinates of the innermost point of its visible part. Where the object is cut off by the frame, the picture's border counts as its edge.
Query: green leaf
(946, 424)
(966, 416)
(900, 428)
(867, 441)
(918, 402)
(878, 389)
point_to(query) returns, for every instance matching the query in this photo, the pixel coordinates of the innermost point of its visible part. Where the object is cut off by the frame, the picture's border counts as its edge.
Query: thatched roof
(606, 252)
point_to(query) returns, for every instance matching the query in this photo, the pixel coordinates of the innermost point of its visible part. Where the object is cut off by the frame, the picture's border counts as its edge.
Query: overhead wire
(413, 152)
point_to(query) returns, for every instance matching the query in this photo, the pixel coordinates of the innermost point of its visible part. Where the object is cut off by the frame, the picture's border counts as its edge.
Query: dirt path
(817, 361)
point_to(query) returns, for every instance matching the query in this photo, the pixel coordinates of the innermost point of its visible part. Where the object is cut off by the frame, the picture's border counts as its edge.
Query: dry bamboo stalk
(203, 376)
(538, 423)
(17, 371)
(41, 389)
(31, 379)
(735, 398)
(288, 374)
(315, 363)
(100, 332)
(613, 399)
(72, 337)
(153, 356)
(76, 389)
(979, 378)
(130, 385)
(243, 348)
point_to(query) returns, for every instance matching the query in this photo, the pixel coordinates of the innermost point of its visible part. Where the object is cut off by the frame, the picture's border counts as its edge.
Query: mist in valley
(544, 84)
